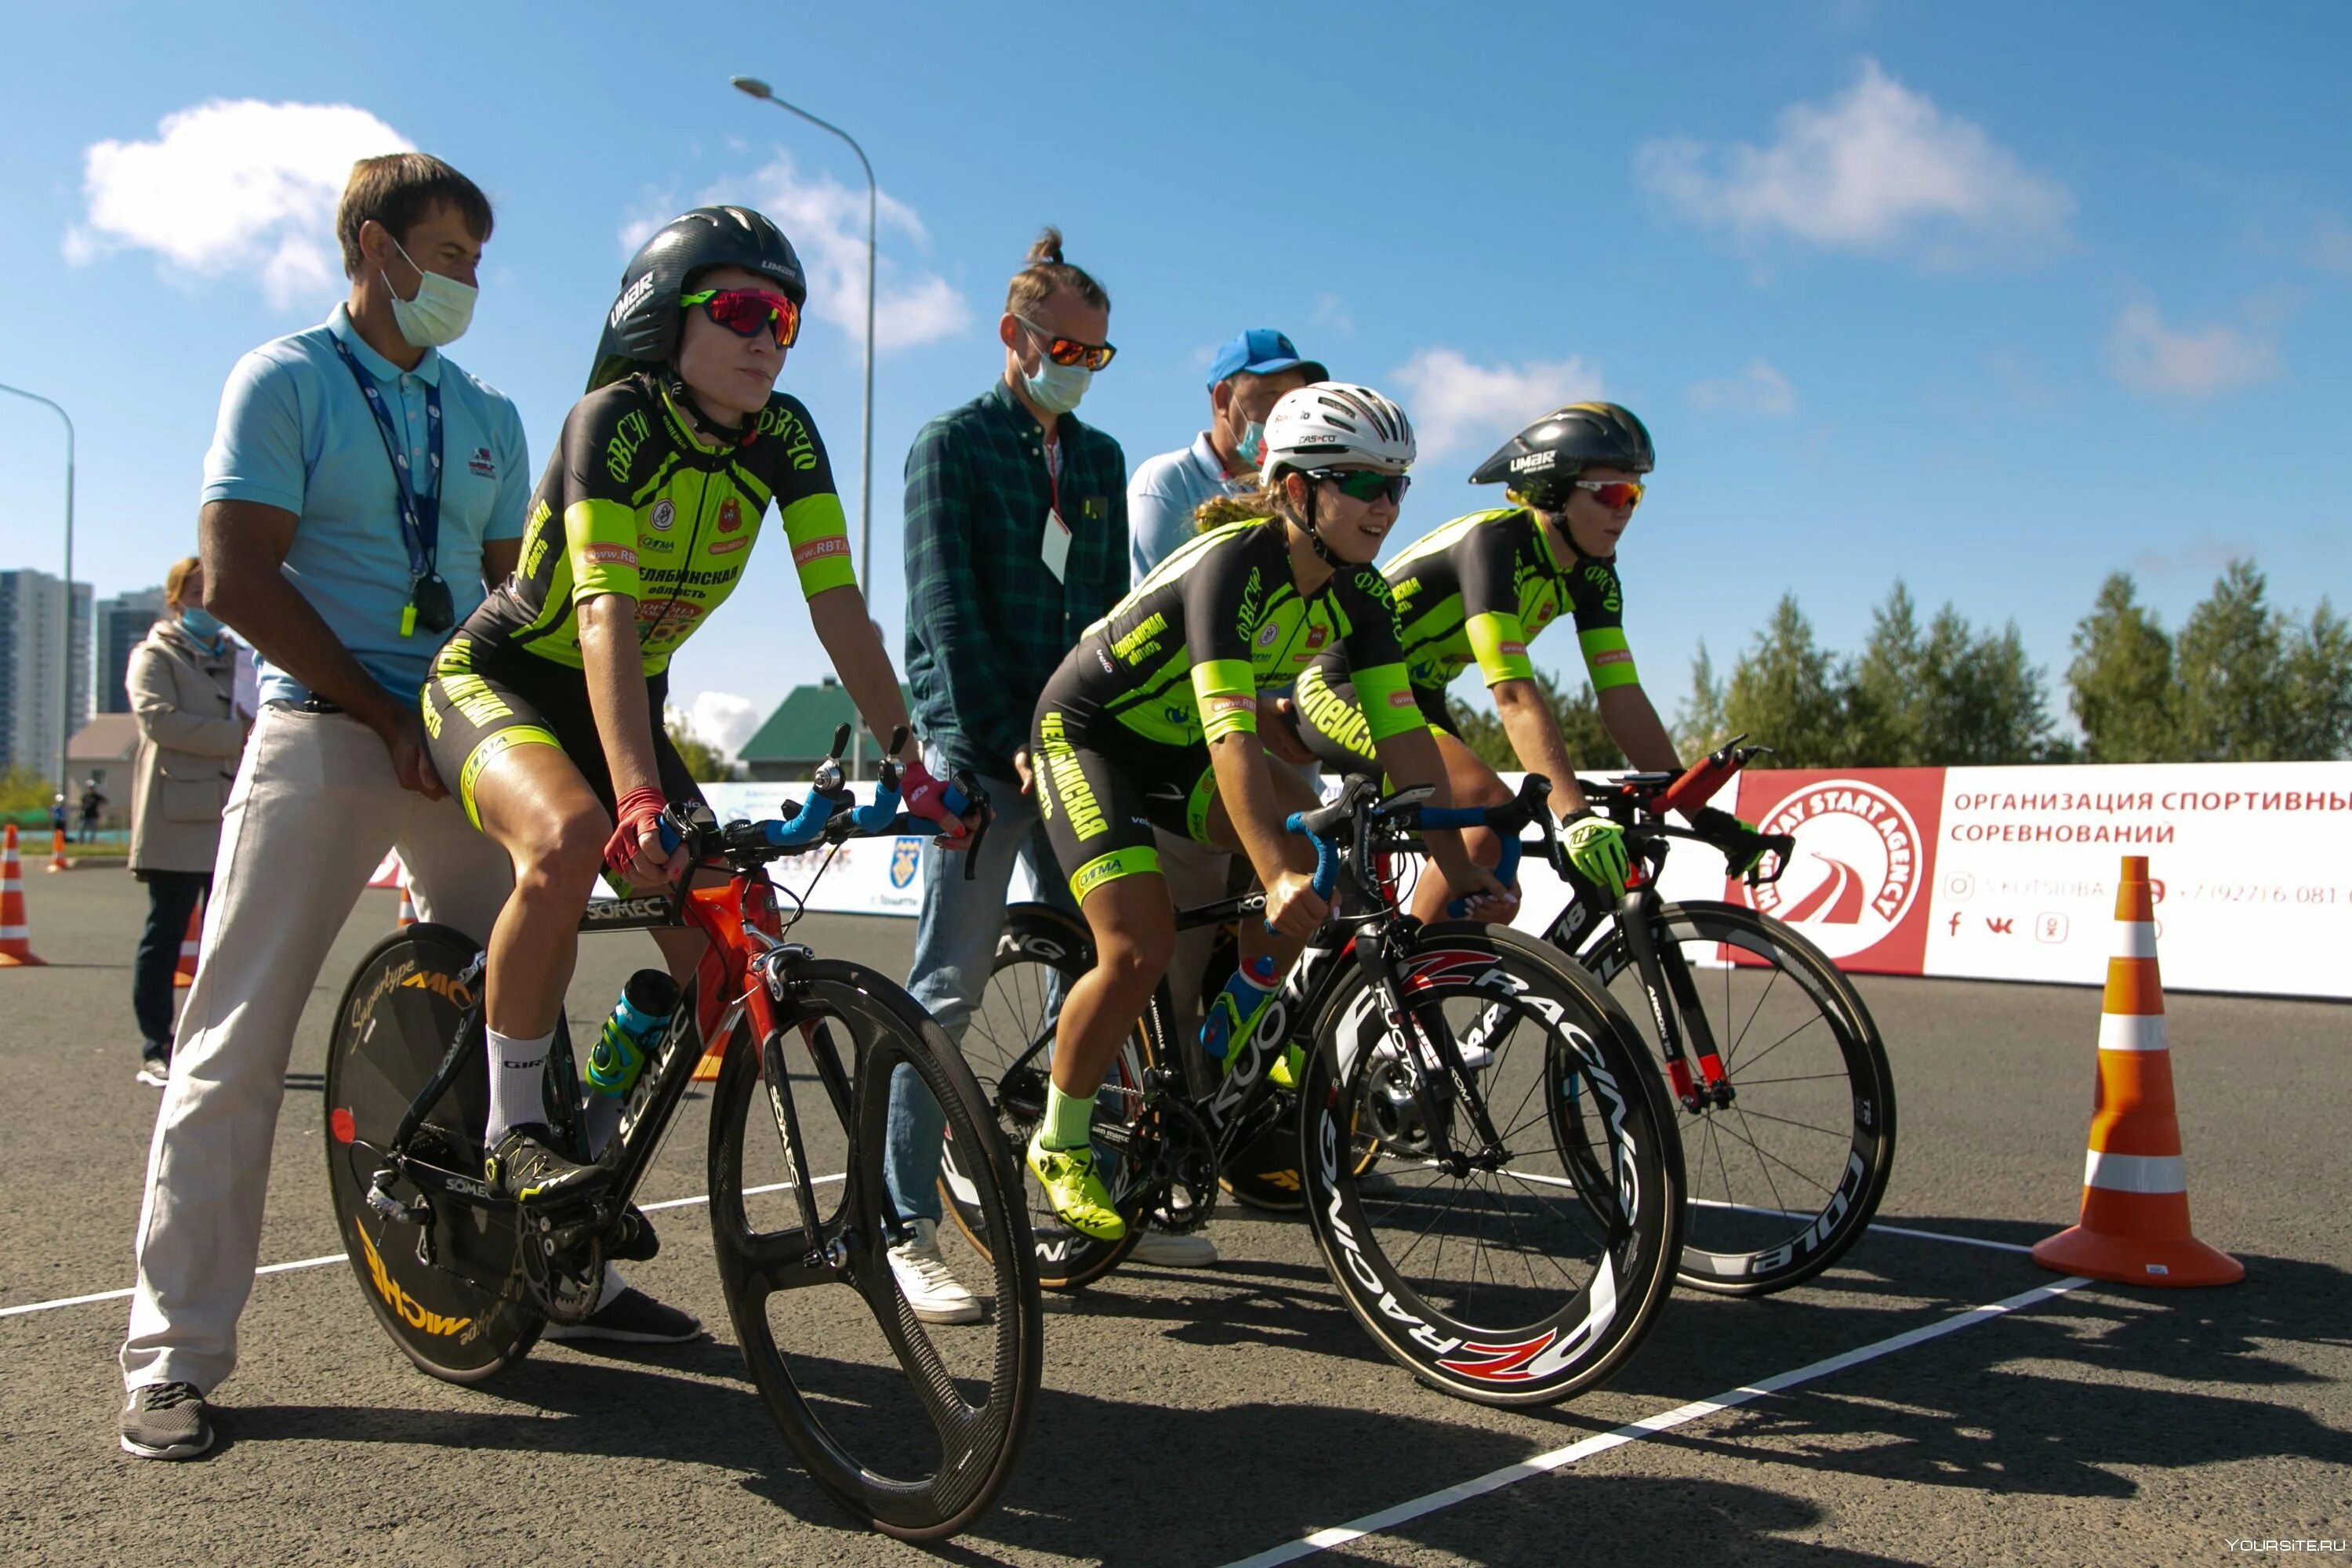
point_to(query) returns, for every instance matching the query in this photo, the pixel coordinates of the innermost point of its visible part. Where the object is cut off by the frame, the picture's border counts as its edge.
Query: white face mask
(442, 310)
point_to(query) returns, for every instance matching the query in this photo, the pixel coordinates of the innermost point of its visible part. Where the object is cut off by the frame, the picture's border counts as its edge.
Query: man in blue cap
(1249, 375)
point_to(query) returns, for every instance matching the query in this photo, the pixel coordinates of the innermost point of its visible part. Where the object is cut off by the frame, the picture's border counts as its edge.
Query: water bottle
(637, 1021)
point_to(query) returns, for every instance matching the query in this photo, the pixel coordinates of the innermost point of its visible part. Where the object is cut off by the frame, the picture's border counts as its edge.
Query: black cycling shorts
(1331, 722)
(1102, 788)
(485, 697)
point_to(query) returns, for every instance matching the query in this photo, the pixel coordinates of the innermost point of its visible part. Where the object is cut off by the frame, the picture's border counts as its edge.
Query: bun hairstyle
(1045, 273)
(1218, 511)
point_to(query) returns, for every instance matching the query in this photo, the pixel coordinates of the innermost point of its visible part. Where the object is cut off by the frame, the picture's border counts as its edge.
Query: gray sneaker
(166, 1421)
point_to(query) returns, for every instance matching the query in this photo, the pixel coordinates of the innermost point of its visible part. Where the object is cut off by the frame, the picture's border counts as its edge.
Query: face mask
(442, 310)
(200, 623)
(1251, 446)
(1057, 388)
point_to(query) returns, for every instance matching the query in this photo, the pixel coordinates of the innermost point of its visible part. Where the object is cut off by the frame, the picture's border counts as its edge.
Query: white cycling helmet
(1333, 423)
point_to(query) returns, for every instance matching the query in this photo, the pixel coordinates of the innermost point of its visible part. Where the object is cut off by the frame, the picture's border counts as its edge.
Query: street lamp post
(65, 714)
(759, 89)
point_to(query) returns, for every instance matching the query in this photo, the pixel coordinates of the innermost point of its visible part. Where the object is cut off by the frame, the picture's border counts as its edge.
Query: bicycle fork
(1438, 1079)
(1673, 1000)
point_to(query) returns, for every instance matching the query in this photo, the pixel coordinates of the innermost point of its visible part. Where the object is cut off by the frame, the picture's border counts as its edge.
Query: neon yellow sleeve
(820, 540)
(1227, 690)
(601, 537)
(1385, 694)
(1501, 645)
(1607, 659)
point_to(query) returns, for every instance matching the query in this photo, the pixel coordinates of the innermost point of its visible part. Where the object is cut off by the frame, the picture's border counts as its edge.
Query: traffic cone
(15, 946)
(183, 974)
(57, 861)
(407, 915)
(2135, 1224)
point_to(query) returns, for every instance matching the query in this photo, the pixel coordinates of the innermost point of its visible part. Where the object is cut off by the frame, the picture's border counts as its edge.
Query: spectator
(183, 684)
(336, 541)
(93, 806)
(59, 817)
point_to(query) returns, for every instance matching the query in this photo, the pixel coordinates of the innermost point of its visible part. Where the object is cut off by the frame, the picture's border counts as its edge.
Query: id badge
(1057, 547)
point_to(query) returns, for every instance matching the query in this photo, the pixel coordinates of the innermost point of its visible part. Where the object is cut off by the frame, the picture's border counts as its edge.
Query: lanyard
(420, 515)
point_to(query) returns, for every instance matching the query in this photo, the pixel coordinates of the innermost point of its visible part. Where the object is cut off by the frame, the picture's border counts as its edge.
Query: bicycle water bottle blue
(643, 1011)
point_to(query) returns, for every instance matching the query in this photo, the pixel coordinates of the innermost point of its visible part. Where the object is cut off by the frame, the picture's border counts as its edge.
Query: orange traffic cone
(57, 861)
(15, 946)
(183, 974)
(2135, 1225)
(407, 915)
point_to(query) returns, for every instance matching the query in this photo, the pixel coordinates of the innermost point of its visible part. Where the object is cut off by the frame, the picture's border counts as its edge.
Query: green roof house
(799, 732)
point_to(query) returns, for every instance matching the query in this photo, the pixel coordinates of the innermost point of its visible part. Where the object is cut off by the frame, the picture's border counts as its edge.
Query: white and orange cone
(57, 861)
(407, 915)
(15, 944)
(2135, 1224)
(183, 974)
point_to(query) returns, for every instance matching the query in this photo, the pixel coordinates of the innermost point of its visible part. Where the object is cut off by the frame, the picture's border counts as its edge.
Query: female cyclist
(544, 710)
(1152, 720)
(1479, 589)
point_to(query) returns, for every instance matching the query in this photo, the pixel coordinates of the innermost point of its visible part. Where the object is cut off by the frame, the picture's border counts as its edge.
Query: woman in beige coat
(183, 683)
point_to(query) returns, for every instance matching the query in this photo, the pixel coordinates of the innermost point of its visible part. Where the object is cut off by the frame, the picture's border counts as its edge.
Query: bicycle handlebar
(1361, 805)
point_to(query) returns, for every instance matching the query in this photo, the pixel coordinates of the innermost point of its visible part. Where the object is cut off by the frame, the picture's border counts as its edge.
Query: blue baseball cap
(1262, 351)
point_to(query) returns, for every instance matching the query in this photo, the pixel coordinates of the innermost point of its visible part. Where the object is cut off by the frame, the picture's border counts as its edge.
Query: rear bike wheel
(1008, 1045)
(1788, 1176)
(1526, 1278)
(914, 1428)
(462, 1316)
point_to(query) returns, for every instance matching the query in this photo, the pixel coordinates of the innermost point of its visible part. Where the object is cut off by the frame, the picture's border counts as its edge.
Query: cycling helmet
(643, 325)
(1562, 444)
(1336, 422)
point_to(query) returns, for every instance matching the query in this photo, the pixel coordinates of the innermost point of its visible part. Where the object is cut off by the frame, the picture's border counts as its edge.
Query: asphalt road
(1202, 1419)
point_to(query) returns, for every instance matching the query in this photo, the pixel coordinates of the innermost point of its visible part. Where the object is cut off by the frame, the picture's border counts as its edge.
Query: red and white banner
(2010, 873)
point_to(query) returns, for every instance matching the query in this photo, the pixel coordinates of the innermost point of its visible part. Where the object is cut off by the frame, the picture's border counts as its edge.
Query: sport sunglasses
(1069, 351)
(1617, 495)
(1365, 484)
(747, 312)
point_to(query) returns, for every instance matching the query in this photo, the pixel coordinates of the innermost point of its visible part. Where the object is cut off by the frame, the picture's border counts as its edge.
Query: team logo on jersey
(730, 515)
(724, 546)
(611, 556)
(1316, 636)
(665, 514)
(1272, 635)
(480, 465)
(905, 859)
(1858, 869)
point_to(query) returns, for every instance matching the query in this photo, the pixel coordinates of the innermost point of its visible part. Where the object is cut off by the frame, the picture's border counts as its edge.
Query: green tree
(705, 763)
(1947, 697)
(1580, 729)
(25, 791)
(2228, 663)
(2120, 684)
(1700, 726)
(1889, 697)
(2317, 681)
(1788, 693)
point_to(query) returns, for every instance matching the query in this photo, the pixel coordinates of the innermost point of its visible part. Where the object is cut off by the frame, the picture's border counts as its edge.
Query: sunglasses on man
(1617, 495)
(1070, 350)
(1365, 484)
(747, 313)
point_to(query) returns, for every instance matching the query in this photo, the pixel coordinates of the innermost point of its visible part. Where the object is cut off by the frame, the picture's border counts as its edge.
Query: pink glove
(638, 809)
(935, 799)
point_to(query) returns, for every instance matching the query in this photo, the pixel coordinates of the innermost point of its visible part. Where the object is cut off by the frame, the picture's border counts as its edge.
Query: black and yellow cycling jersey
(1122, 731)
(633, 502)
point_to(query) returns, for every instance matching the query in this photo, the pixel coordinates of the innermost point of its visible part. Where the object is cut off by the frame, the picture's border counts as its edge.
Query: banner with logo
(863, 877)
(2010, 873)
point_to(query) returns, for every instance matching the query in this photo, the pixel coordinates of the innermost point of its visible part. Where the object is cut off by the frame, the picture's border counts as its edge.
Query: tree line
(2242, 680)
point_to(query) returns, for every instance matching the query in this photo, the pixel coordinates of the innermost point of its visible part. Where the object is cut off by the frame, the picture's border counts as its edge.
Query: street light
(759, 89)
(65, 714)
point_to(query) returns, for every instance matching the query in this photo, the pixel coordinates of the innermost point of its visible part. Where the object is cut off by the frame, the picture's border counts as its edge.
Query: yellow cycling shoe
(1077, 1193)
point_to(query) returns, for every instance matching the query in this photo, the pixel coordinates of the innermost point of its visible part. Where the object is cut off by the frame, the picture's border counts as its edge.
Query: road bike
(917, 1434)
(1508, 1235)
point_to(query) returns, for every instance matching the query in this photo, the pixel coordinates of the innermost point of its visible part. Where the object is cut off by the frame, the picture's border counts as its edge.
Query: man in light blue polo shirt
(361, 493)
(1248, 377)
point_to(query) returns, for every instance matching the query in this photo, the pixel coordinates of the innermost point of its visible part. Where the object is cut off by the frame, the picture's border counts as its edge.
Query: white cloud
(825, 221)
(1758, 389)
(1877, 168)
(722, 718)
(1331, 315)
(233, 187)
(2149, 356)
(1451, 400)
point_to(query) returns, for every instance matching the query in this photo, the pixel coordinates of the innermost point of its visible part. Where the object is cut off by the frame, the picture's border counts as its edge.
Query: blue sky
(1996, 298)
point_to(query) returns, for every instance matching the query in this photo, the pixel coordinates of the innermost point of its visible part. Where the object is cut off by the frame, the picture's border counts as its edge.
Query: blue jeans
(955, 948)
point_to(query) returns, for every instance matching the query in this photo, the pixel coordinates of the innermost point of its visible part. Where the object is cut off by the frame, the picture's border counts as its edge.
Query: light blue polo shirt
(1162, 494)
(295, 433)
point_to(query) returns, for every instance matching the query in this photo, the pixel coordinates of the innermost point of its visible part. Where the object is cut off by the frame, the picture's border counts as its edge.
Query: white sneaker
(1192, 1250)
(936, 1295)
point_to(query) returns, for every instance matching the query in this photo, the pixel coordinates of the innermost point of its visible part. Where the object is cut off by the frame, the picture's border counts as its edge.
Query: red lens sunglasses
(747, 312)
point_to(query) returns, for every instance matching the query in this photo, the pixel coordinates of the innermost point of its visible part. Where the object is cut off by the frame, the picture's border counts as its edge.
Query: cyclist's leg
(1266, 955)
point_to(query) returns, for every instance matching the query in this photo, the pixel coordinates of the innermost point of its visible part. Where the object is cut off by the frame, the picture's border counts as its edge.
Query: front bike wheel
(915, 1428)
(460, 1316)
(1532, 1268)
(1008, 1044)
(1788, 1175)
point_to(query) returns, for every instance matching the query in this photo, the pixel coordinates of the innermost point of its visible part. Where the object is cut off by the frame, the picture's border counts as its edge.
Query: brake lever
(1781, 848)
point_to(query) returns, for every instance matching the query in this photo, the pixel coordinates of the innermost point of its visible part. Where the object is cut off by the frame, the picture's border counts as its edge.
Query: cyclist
(1479, 589)
(1152, 720)
(545, 709)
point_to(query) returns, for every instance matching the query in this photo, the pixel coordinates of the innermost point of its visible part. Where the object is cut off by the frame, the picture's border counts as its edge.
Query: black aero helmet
(1537, 461)
(641, 326)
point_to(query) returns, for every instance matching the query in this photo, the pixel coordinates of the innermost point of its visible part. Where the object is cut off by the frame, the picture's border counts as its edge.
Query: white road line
(343, 1256)
(1792, 1214)
(1648, 1426)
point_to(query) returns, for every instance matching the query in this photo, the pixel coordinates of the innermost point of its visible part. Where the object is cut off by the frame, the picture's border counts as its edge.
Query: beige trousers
(1196, 875)
(314, 807)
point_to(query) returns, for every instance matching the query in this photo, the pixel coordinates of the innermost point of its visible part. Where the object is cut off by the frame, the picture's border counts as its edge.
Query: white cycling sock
(517, 1069)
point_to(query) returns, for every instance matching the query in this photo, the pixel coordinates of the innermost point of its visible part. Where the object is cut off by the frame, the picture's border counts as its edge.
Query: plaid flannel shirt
(986, 622)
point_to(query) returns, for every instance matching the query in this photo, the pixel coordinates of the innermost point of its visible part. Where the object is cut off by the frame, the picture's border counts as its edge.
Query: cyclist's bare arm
(1534, 732)
(243, 545)
(615, 671)
(499, 559)
(1283, 863)
(1633, 724)
(846, 630)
